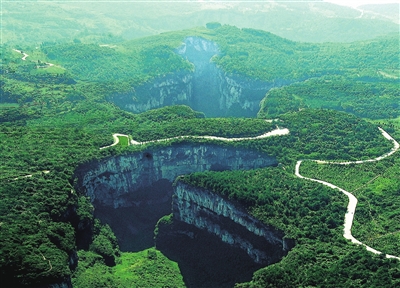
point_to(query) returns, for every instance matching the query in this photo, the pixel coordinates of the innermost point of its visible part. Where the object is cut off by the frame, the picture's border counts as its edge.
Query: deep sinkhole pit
(207, 89)
(213, 240)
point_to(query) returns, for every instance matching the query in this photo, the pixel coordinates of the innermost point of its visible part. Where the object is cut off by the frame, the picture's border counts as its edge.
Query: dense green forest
(356, 95)
(340, 76)
(56, 117)
(312, 215)
(376, 185)
(243, 51)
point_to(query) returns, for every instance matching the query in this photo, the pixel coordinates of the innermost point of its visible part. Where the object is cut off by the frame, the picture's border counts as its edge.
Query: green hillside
(111, 21)
(356, 95)
(56, 117)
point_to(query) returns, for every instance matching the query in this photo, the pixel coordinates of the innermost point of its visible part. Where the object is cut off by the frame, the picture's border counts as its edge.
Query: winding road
(116, 140)
(351, 207)
(46, 63)
(276, 132)
(23, 53)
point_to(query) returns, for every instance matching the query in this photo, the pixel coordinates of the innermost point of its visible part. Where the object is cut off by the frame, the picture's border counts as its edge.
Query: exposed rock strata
(128, 181)
(229, 222)
(113, 181)
(208, 89)
(173, 89)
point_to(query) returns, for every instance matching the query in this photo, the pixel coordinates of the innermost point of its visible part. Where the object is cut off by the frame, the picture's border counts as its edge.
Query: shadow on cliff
(132, 192)
(208, 88)
(204, 260)
(134, 225)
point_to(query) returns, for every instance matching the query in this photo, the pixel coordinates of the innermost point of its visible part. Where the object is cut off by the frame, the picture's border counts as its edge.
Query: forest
(55, 118)
(350, 94)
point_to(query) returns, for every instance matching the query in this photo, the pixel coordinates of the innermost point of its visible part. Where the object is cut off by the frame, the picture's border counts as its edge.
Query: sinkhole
(214, 241)
(207, 88)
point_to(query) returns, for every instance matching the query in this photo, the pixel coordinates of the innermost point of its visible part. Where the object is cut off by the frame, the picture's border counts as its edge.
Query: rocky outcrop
(173, 89)
(215, 92)
(241, 96)
(207, 233)
(229, 222)
(208, 88)
(113, 181)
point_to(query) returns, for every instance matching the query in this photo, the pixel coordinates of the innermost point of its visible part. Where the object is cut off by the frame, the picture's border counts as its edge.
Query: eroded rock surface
(208, 88)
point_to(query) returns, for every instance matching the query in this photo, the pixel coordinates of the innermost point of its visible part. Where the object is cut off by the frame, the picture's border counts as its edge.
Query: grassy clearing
(123, 140)
(48, 70)
(147, 268)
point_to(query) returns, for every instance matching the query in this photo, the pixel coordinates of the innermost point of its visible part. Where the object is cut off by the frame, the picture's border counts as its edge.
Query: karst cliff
(132, 192)
(111, 181)
(208, 88)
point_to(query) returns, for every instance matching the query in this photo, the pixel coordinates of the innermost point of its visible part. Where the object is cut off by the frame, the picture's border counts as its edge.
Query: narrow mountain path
(361, 11)
(23, 53)
(276, 132)
(351, 207)
(30, 175)
(45, 63)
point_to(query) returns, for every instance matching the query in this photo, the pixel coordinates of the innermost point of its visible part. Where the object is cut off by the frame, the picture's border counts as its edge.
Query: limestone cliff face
(113, 181)
(228, 221)
(173, 89)
(125, 181)
(208, 89)
(217, 93)
(242, 95)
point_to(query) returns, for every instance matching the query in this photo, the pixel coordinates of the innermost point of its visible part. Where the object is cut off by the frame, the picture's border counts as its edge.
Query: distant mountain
(383, 11)
(314, 21)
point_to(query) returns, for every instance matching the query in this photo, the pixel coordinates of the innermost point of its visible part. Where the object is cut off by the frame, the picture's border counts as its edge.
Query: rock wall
(208, 89)
(113, 181)
(173, 89)
(126, 181)
(228, 221)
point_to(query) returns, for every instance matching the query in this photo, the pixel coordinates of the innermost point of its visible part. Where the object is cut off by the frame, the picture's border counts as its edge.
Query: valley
(213, 156)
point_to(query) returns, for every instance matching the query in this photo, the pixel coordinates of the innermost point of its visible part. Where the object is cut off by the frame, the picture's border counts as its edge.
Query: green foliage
(323, 265)
(377, 186)
(223, 127)
(148, 268)
(351, 95)
(56, 119)
(105, 243)
(325, 135)
(213, 25)
(305, 211)
(36, 242)
(262, 55)
(243, 52)
(135, 63)
(164, 221)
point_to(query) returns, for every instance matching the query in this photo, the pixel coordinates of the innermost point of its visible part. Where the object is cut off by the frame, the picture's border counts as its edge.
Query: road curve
(276, 132)
(23, 53)
(351, 207)
(116, 140)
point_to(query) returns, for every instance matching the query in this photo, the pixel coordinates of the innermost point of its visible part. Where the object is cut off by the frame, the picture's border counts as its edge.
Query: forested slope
(91, 71)
(112, 21)
(56, 117)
